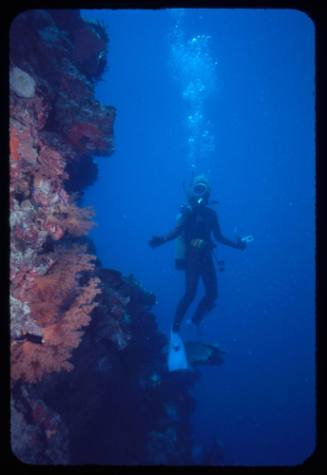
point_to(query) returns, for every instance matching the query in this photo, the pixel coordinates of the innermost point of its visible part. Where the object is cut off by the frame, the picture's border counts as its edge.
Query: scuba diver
(194, 227)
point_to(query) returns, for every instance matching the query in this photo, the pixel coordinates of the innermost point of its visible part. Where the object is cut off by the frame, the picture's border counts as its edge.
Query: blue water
(238, 104)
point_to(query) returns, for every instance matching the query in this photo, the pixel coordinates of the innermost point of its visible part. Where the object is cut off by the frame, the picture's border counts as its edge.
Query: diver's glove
(241, 244)
(156, 241)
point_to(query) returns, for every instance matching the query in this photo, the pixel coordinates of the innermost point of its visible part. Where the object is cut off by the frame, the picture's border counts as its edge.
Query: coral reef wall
(121, 405)
(88, 375)
(54, 120)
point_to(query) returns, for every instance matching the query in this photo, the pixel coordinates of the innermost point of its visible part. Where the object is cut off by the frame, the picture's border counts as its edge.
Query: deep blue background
(261, 402)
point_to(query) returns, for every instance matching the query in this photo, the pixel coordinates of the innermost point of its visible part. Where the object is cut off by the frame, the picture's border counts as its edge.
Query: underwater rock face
(43, 215)
(82, 337)
(55, 59)
(54, 285)
(128, 409)
(38, 434)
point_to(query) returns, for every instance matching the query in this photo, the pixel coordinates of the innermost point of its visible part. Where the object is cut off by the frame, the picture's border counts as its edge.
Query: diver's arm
(222, 239)
(172, 234)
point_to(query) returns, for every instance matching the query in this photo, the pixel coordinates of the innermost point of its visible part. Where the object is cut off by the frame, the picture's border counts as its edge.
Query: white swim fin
(176, 356)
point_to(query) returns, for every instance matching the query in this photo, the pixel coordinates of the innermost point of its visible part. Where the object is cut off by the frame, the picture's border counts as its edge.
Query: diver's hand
(156, 241)
(241, 244)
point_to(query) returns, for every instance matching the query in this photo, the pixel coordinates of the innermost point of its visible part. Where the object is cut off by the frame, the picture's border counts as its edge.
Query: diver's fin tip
(176, 356)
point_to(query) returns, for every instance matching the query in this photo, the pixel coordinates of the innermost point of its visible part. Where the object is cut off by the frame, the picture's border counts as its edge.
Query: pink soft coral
(61, 307)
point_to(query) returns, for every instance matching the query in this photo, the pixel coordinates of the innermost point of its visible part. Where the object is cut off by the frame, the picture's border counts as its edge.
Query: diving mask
(200, 192)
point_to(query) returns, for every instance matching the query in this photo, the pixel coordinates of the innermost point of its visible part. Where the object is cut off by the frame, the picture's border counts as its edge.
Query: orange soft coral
(61, 307)
(59, 286)
(76, 221)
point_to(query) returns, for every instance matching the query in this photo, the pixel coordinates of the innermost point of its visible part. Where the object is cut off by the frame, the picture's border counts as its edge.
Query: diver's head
(199, 191)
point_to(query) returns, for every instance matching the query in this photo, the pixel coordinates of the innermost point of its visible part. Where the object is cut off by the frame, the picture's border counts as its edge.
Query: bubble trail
(194, 69)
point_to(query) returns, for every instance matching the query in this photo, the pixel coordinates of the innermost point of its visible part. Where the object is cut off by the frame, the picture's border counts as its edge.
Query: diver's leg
(209, 276)
(191, 281)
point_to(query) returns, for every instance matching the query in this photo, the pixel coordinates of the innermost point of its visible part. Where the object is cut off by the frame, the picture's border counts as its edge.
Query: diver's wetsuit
(198, 264)
(198, 223)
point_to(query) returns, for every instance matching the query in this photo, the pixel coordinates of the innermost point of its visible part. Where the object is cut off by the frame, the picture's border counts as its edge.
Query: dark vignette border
(317, 463)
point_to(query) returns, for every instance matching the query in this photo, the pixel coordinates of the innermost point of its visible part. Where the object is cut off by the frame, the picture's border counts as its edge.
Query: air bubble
(194, 68)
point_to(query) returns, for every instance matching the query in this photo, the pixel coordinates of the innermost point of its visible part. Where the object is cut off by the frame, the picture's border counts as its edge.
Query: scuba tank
(180, 247)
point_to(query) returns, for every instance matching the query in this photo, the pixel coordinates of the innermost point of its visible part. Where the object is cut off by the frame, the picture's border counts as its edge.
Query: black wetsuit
(198, 224)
